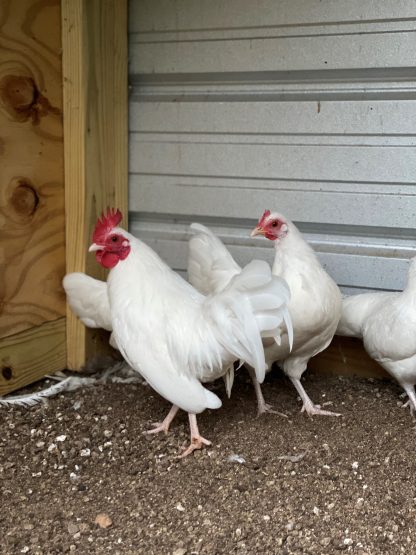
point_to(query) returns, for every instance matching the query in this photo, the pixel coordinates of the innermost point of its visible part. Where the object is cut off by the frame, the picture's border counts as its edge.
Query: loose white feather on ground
(32, 399)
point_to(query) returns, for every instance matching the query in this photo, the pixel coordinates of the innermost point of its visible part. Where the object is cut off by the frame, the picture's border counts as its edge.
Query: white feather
(210, 265)
(32, 399)
(88, 299)
(229, 380)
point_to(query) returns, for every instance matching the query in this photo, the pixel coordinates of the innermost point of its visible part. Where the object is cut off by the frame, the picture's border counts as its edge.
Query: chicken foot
(262, 406)
(164, 426)
(308, 406)
(197, 441)
(411, 402)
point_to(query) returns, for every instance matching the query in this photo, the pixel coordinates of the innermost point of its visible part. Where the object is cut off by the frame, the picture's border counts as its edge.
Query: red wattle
(107, 259)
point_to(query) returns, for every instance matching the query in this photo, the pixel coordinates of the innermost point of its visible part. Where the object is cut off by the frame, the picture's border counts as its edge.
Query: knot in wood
(24, 198)
(7, 373)
(18, 94)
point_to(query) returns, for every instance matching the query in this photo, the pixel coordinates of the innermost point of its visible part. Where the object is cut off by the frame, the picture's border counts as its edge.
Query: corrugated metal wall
(303, 106)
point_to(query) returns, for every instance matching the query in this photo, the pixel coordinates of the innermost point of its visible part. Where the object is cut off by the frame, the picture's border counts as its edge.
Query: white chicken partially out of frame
(314, 306)
(174, 336)
(386, 322)
(88, 299)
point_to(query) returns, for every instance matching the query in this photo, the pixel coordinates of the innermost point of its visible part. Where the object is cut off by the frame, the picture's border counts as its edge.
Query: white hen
(175, 336)
(387, 324)
(314, 307)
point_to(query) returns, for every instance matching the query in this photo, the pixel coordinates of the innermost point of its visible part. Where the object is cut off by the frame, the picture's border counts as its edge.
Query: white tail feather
(257, 298)
(229, 380)
(88, 299)
(246, 296)
(210, 265)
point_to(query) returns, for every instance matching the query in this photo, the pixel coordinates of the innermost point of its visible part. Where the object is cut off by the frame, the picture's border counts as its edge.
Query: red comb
(263, 218)
(106, 224)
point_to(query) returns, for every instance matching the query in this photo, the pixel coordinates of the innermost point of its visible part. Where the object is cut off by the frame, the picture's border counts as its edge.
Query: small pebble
(72, 528)
(103, 520)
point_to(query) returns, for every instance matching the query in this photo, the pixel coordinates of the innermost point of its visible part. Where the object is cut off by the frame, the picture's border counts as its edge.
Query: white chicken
(315, 303)
(174, 336)
(88, 299)
(386, 322)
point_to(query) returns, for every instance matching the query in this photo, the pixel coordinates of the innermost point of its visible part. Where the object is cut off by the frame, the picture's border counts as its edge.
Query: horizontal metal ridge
(236, 231)
(274, 32)
(288, 77)
(311, 24)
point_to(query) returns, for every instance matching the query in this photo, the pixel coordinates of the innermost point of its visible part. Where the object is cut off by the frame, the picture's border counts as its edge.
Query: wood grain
(32, 242)
(29, 355)
(346, 357)
(94, 38)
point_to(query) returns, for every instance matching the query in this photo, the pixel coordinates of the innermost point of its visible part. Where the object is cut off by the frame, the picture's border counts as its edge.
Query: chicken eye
(274, 224)
(114, 239)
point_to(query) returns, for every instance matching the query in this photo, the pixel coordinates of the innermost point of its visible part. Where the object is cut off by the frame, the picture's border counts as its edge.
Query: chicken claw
(315, 410)
(197, 441)
(262, 406)
(308, 406)
(163, 426)
(266, 408)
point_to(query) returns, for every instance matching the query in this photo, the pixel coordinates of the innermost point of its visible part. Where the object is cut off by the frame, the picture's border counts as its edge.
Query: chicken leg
(410, 390)
(308, 406)
(164, 426)
(197, 441)
(262, 406)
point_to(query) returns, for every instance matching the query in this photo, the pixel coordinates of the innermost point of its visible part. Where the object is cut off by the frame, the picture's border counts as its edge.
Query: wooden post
(95, 91)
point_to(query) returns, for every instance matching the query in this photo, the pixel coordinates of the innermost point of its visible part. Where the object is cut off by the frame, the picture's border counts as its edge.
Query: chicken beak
(94, 247)
(257, 231)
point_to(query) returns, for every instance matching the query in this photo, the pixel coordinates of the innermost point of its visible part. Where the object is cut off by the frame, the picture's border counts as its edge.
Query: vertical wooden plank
(95, 86)
(32, 242)
(32, 226)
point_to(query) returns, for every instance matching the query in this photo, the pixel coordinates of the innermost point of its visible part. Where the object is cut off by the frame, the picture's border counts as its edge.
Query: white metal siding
(303, 106)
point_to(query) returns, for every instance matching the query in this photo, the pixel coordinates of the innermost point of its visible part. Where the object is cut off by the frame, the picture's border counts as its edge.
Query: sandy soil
(83, 454)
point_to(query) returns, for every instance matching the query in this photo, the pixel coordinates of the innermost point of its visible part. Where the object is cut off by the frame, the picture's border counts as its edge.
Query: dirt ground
(83, 454)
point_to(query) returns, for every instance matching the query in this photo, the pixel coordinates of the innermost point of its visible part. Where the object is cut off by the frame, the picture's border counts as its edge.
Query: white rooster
(174, 336)
(387, 324)
(315, 303)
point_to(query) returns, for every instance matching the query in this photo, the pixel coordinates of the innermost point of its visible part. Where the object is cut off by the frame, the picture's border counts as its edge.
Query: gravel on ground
(77, 475)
